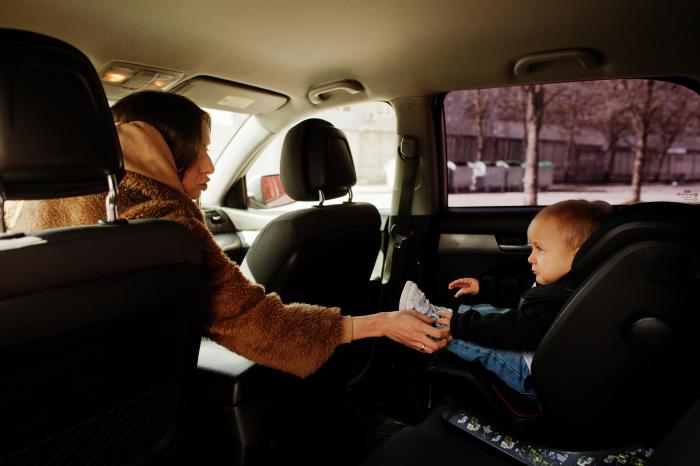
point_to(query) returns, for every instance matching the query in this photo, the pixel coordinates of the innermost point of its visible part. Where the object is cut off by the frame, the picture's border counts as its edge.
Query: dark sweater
(522, 328)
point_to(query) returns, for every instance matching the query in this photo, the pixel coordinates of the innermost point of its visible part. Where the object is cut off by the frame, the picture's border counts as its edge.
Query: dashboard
(224, 232)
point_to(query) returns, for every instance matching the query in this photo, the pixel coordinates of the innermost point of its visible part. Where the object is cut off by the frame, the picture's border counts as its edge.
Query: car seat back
(323, 254)
(99, 325)
(615, 366)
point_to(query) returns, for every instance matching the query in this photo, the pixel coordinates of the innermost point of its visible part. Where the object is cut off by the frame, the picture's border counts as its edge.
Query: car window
(371, 132)
(622, 141)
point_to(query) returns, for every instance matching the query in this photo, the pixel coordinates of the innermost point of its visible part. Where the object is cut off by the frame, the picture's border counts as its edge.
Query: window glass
(622, 141)
(371, 132)
(223, 127)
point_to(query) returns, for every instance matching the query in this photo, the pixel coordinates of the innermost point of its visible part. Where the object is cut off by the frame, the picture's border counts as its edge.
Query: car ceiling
(395, 48)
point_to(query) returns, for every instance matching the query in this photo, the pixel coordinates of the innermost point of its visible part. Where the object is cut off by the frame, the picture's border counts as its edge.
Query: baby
(503, 338)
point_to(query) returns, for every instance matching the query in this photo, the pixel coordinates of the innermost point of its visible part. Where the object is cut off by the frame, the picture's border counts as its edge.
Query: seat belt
(408, 152)
(401, 234)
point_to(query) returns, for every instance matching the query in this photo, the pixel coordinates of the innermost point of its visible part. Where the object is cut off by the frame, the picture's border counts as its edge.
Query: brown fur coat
(295, 338)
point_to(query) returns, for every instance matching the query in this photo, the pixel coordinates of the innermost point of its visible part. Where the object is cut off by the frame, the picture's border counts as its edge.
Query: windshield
(224, 126)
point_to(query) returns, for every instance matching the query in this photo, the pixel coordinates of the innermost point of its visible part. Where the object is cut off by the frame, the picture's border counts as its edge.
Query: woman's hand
(444, 320)
(413, 329)
(465, 285)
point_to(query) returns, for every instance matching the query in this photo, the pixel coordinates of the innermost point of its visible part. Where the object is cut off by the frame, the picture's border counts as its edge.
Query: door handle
(515, 247)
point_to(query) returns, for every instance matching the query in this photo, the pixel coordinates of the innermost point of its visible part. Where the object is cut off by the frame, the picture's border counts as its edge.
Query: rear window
(622, 141)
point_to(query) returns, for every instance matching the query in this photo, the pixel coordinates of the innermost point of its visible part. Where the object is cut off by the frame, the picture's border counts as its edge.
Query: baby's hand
(465, 285)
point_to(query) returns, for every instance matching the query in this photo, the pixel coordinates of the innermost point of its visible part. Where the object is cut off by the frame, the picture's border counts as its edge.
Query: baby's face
(551, 256)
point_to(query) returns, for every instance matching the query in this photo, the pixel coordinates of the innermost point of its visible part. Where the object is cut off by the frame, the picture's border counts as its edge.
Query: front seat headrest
(316, 157)
(57, 136)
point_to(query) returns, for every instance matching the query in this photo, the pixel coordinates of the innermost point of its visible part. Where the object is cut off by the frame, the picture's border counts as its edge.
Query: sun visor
(229, 96)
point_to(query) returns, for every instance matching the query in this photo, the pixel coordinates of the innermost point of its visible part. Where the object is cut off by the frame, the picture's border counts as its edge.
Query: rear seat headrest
(316, 157)
(57, 136)
(638, 222)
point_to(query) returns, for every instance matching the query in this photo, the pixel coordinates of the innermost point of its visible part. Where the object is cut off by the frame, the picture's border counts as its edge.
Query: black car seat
(323, 254)
(614, 368)
(99, 328)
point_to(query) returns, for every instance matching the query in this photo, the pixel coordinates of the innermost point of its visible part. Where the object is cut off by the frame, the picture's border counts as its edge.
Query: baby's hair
(577, 218)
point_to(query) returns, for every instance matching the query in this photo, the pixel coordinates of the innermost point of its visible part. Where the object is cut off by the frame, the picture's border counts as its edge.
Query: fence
(587, 164)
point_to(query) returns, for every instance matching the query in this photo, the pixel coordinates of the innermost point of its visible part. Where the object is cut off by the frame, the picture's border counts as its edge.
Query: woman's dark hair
(177, 118)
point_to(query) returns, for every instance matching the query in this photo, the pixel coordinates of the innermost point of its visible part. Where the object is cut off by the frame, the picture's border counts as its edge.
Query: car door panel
(478, 241)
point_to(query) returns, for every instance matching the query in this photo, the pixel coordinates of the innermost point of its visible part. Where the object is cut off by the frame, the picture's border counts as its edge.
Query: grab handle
(318, 94)
(586, 58)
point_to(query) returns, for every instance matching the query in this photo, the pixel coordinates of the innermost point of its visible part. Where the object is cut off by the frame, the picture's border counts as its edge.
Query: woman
(164, 139)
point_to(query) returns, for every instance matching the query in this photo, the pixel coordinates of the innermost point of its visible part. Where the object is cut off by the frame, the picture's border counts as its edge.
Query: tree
(610, 116)
(642, 109)
(568, 110)
(480, 106)
(481, 115)
(534, 103)
(671, 120)
(616, 125)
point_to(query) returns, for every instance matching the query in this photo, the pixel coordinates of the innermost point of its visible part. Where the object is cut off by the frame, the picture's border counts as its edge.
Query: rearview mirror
(266, 191)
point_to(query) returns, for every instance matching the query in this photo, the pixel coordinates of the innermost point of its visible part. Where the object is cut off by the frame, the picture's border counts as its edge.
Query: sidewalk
(380, 195)
(614, 194)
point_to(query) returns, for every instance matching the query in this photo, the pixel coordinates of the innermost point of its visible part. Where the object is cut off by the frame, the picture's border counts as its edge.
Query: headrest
(316, 156)
(57, 136)
(647, 221)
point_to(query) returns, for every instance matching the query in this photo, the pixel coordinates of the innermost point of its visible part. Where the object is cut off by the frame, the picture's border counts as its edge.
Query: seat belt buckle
(398, 237)
(408, 148)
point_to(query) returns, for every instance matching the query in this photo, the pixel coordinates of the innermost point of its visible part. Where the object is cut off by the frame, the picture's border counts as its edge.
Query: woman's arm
(296, 338)
(408, 327)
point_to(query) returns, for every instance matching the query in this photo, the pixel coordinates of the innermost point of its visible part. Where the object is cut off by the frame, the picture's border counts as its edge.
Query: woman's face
(195, 179)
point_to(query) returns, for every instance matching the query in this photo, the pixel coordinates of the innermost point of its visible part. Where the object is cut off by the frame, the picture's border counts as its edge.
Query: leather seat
(325, 254)
(321, 255)
(626, 339)
(99, 327)
(614, 368)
